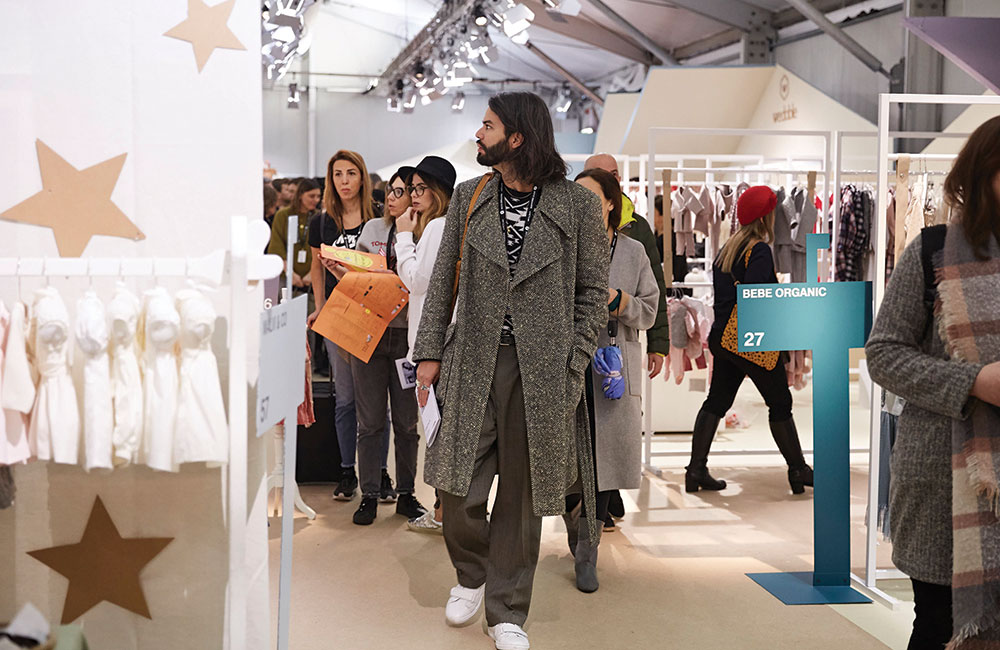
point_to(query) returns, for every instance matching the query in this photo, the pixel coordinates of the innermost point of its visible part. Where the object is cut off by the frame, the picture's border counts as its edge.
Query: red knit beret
(754, 203)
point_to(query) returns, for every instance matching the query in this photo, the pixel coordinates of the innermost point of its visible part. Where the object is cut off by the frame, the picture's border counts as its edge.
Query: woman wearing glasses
(347, 206)
(379, 378)
(417, 242)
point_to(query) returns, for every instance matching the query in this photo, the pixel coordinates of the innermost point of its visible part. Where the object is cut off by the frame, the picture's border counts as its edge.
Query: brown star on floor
(75, 204)
(102, 566)
(206, 29)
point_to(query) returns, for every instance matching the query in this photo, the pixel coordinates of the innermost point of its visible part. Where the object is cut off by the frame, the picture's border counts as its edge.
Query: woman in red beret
(745, 259)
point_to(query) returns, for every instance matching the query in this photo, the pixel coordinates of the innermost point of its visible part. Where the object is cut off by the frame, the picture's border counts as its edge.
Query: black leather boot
(786, 437)
(697, 477)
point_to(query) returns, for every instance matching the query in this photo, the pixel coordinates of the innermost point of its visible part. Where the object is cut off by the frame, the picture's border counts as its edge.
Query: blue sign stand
(828, 318)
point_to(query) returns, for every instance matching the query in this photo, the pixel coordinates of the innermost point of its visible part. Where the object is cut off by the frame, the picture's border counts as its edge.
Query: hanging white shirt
(55, 421)
(92, 337)
(17, 388)
(126, 379)
(200, 432)
(159, 380)
(414, 265)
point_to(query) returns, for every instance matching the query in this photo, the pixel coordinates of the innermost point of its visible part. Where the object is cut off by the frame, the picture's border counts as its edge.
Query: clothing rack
(886, 100)
(235, 267)
(752, 164)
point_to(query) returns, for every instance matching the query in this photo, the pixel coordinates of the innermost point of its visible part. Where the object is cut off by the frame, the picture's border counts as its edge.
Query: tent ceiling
(362, 37)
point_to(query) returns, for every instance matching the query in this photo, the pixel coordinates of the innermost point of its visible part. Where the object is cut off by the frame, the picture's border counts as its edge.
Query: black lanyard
(390, 250)
(613, 323)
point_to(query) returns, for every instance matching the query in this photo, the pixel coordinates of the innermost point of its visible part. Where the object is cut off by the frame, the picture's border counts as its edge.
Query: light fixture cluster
(282, 34)
(449, 60)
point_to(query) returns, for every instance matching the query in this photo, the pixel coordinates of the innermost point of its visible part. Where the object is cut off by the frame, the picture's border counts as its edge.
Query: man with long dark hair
(528, 250)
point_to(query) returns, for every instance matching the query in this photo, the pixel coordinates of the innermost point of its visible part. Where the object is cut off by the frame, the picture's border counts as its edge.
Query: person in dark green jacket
(636, 227)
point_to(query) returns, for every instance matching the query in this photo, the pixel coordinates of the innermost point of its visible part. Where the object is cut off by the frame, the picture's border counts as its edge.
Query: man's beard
(492, 156)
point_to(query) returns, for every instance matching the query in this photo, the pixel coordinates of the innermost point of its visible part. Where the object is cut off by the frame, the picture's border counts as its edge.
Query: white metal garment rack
(754, 165)
(235, 267)
(872, 572)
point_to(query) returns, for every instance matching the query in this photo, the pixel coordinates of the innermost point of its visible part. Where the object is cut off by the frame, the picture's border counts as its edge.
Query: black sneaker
(365, 515)
(385, 493)
(409, 507)
(348, 485)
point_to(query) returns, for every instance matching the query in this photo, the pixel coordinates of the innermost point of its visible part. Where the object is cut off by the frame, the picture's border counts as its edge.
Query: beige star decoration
(206, 29)
(75, 204)
(103, 566)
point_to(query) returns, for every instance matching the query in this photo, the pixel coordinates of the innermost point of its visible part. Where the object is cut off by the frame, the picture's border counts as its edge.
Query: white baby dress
(54, 431)
(92, 337)
(200, 433)
(17, 388)
(160, 379)
(126, 380)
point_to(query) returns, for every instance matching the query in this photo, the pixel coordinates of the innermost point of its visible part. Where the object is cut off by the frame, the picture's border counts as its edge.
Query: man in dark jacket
(636, 227)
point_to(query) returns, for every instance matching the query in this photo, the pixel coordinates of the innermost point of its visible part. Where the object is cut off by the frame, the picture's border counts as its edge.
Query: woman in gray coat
(946, 391)
(616, 421)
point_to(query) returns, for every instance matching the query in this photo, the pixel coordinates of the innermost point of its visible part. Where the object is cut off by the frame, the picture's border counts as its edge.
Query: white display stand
(235, 268)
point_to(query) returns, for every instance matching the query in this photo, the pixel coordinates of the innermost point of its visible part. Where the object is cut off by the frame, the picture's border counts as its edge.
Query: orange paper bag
(354, 260)
(359, 309)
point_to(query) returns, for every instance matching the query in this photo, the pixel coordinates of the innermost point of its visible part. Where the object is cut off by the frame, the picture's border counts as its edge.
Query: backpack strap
(461, 249)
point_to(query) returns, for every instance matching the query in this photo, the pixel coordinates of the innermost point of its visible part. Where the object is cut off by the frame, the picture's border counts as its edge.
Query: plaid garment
(969, 305)
(852, 240)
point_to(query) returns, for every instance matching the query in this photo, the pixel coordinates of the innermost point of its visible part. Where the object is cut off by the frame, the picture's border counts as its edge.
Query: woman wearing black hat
(417, 242)
(378, 379)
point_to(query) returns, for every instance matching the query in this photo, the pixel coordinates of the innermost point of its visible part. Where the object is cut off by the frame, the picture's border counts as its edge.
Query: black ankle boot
(786, 437)
(697, 477)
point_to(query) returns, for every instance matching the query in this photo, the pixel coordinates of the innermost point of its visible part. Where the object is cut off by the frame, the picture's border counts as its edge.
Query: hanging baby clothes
(852, 240)
(734, 223)
(682, 201)
(200, 432)
(723, 201)
(17, 388)
(92, 337)
(55, 421)
(801, 213)
(782, 235)
(703, 209)
(159, 379)
(915, 210)
(126, 380)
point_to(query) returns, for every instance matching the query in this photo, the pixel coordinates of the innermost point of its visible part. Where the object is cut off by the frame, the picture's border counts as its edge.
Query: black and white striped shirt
(517, 210)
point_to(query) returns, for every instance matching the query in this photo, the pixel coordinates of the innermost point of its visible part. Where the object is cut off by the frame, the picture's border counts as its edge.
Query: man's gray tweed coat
(906, 356)
(558, 300)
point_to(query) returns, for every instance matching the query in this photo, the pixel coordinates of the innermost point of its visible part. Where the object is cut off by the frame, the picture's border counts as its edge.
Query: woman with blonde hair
(745, 259)
(347, 207)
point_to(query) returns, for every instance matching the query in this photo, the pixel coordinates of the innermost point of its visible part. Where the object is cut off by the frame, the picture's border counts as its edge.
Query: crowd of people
(527, 296)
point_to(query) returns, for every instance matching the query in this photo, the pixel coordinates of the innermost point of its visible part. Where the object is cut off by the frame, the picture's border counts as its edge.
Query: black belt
(506, 339)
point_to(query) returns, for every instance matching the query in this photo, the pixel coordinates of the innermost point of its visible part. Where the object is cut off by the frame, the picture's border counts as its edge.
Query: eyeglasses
(417, 190)
(397, 192)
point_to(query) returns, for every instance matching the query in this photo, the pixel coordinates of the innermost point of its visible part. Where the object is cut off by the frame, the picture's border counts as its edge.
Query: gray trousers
(374, 382)
(503, 552)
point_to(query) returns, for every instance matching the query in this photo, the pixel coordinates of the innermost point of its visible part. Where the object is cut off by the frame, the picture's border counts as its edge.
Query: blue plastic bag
(608, 362)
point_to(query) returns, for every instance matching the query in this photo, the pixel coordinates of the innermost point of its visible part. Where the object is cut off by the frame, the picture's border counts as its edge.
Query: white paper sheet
(430, 415)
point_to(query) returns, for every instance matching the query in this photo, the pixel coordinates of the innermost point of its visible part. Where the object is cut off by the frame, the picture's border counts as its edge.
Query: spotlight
(480, 17)
(458, 103)
(563, 101)
(293, 95)
(588, 120)
(393, 104)
(418, 72)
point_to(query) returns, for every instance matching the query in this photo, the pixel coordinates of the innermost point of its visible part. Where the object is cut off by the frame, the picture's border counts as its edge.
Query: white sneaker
(463, 605)
(426, 523)
(509, 637)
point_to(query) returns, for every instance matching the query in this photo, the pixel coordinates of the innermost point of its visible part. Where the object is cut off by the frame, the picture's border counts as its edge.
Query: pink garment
(689, 324)
(306, 416)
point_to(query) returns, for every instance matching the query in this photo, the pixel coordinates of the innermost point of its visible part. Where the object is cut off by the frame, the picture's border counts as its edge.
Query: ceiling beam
(665, 57)
(732, 13)
(589, 33)
(566, 74)
(839, 35)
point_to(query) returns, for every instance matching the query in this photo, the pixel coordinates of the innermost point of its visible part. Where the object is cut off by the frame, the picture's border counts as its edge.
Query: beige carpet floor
(671, 577)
